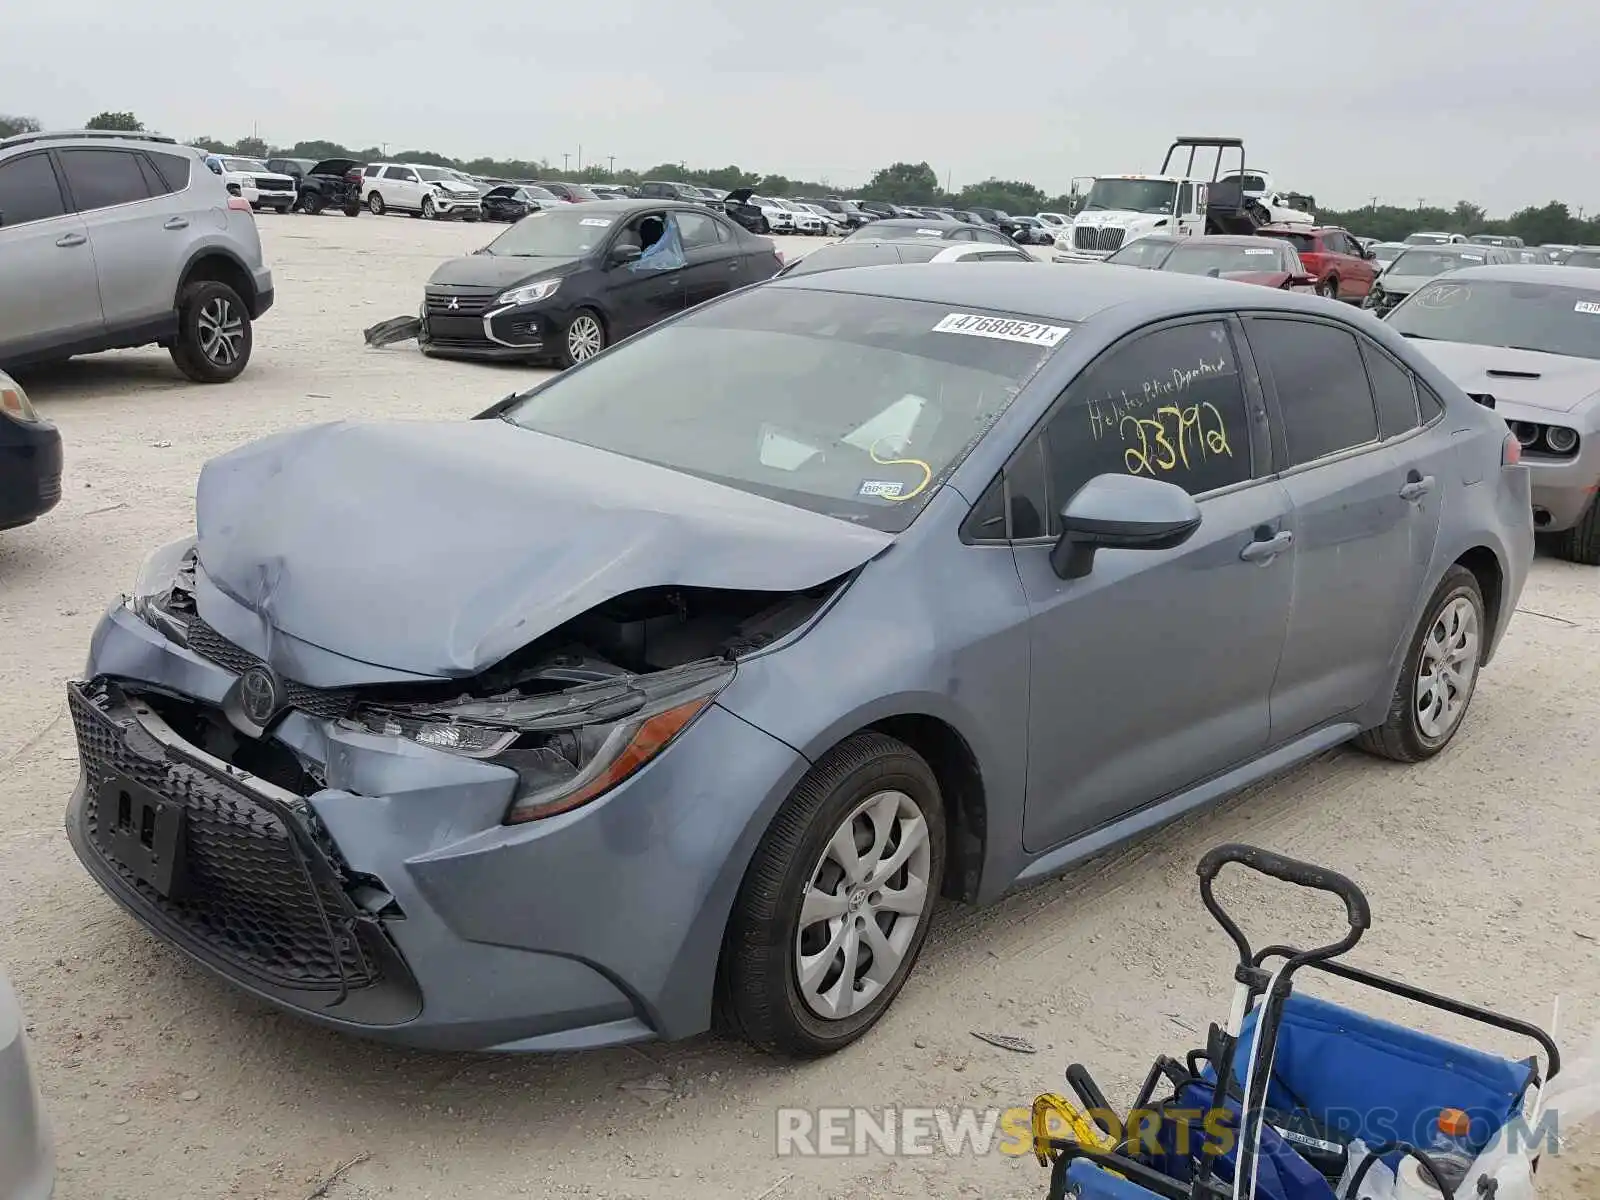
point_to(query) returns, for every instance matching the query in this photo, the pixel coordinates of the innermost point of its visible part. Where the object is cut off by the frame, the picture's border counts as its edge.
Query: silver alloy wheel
(221, 331)
(1447, 669)
(867, 896)
(428, 210)
(584, 338)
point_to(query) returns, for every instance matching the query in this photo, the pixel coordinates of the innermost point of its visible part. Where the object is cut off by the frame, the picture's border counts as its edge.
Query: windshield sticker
(1442, 295)
(930, 233)
(1587, 306)
(1028, 332)
(597, 222)
(1262, 251)
(883, 489)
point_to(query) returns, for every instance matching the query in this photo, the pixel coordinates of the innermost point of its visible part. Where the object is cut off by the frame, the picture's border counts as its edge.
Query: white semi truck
(1181, 200)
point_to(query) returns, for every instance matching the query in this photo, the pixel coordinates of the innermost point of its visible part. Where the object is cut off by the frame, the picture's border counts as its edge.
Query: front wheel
(1439, 675)
(837, 902)
(375, 204)
(585, 336)
(214, 333)
(429, 212)
(312, 204)
(352, 210)
(764, 227)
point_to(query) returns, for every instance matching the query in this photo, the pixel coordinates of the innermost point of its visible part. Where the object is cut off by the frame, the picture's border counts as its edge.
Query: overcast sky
(1402, 99)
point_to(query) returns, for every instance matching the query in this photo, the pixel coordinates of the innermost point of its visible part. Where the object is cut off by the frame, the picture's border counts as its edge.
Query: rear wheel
(214, 333)
(837, 902)
(1440, 673)
(1581, 543)
(375, 204)
(352, 210)
(1328, 287)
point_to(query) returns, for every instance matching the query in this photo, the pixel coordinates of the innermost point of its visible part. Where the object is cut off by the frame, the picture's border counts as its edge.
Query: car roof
(628, 204)
(1452, 247)
(1287, 227)
(1549, 273)
(1073, 296)
(1228, 239)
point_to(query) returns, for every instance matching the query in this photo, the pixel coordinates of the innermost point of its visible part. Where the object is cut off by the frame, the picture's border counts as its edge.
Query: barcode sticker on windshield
(930, 233)
(1587, 306)
(998, 327)
(1263, 251)
(597, 222)
(887, 489)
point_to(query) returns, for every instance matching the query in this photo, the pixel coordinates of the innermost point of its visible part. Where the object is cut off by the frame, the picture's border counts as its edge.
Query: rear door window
(1324, 399)
(1394, 390)
(173, 168)
(104, 178)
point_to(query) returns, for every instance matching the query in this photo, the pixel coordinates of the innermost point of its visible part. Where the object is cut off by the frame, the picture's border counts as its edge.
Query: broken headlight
(568, 747)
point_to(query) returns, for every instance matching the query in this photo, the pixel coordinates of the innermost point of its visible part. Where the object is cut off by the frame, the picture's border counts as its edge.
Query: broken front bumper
(389, 899)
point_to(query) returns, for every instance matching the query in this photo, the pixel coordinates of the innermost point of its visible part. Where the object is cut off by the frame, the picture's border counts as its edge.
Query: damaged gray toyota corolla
(688, 681)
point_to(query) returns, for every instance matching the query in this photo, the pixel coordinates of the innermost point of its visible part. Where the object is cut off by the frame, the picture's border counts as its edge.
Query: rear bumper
(30, 471)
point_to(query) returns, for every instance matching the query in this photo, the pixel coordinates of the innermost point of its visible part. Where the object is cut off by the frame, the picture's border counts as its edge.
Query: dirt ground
(1481, 865)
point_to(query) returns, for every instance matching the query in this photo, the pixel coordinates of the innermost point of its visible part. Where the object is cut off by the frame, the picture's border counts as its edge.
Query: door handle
(176, 223)
(734, 266)
(1266, 548)
(1416, 489)
(71, 239)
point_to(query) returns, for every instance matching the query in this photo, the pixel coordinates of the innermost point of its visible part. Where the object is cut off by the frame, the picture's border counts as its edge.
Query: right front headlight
(14, 402)
(568, 748)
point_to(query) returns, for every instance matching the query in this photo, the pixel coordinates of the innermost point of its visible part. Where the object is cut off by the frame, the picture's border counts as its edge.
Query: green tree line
(898, 183)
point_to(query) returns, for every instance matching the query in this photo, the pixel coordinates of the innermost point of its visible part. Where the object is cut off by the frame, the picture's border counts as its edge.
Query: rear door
(49, 294)
(139, 236)
(1356, 532)
(713, 265)
(1355, 271)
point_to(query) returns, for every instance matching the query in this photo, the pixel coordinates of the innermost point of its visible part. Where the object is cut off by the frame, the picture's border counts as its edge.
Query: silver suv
(110, 240)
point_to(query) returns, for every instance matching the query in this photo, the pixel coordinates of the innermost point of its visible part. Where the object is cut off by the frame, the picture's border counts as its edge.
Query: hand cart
(1305, 1078)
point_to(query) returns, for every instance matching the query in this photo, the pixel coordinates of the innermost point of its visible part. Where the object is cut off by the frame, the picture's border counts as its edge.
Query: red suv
(1341, 268)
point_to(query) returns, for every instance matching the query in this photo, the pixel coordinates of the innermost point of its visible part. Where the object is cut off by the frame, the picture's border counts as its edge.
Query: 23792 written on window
(1167, 406)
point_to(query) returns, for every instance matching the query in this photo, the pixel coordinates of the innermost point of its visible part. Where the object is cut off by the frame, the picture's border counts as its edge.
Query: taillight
(1510, 451)
(781, 260)
(238, 204)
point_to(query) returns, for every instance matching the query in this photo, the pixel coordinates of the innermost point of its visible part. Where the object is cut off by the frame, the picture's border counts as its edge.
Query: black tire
(375, 204)
(765, 227)
(429, 212)
(313, 204)
(195, 353)
(352, 210)
(1581, 543)
(567, 356)
(1328, 287)
(758, 989)
(1400, 737)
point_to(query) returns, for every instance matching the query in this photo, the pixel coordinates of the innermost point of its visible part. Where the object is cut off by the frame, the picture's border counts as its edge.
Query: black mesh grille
(252, 887)
(466, 305)
(328, 704)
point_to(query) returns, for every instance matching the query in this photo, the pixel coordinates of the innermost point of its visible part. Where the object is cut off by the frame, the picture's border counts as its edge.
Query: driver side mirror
(1121, 512)
(626, 253)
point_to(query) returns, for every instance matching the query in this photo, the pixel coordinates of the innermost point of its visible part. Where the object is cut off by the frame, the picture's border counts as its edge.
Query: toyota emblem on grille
(258, 694)
(454, 303)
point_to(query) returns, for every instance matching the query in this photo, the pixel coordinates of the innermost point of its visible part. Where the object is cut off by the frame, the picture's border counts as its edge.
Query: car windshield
(1433, 262)
(436, 175)
(856, 407)
(1387, 252)
(1547, 317)
(564, 232)
(1428, 239)
(1132, 195)
(243, 164)
(1145, 252)
(1583, 258)
(1248, 182)
(1198, 258)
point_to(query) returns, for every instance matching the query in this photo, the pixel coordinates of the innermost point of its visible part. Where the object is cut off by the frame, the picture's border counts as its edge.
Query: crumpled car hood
(440, 547)
(1563, 383)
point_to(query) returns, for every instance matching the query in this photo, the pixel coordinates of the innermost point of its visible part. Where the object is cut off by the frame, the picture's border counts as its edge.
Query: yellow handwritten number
(1155, 450)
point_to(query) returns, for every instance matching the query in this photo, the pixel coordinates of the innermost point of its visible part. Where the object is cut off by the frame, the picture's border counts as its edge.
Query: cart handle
(1289, 870)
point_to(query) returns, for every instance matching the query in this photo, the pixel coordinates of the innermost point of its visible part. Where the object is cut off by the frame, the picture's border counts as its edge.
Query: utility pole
(580, 158)
(566, 157)
(1374, 204)
(613, 169)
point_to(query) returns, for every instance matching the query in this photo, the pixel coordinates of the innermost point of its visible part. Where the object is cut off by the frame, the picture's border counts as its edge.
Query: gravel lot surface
(1483, 867)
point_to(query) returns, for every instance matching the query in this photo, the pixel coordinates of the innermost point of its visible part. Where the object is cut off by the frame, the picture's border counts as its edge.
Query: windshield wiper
(1421, 337)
